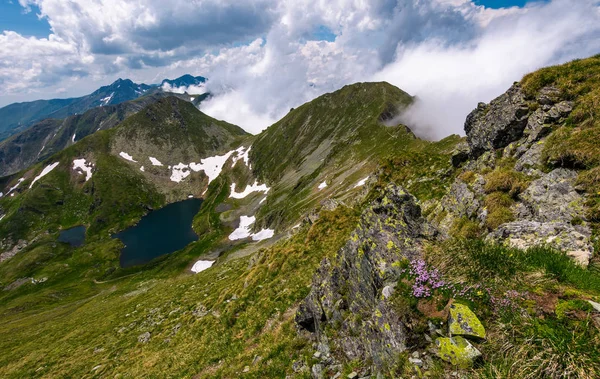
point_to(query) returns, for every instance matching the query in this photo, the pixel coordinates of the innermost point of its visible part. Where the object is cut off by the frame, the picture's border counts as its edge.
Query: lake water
(158, 233)
(74, 236)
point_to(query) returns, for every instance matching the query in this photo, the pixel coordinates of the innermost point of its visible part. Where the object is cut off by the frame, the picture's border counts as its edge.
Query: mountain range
(19, 116)
(335, 243)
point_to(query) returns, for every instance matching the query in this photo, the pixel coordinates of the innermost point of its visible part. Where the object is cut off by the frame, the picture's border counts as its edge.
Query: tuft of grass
(465, 228)
(498, 205)
(505, 180)
(574, 148)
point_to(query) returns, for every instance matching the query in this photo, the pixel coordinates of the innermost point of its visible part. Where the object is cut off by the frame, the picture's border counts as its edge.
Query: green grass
(62, 340)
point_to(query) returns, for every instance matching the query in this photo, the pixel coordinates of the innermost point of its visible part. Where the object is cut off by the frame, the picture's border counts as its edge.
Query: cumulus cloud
(450, 81)
(262, 57)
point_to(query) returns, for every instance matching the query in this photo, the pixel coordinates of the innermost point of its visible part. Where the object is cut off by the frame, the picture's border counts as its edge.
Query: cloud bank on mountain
(263, 57)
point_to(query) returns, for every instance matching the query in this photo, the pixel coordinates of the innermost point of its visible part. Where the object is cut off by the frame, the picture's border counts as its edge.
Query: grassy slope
(338, 138)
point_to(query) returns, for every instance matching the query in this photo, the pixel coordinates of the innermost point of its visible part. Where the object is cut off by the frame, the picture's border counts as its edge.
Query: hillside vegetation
(392, 256)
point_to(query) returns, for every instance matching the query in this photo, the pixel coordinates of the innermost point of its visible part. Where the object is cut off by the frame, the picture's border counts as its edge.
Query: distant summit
(17, 117)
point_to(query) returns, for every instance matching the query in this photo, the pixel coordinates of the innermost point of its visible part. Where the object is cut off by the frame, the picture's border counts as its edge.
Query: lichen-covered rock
(497, 124)
(460, 154)
(457, 351)
(574, 240)
(461, 201)
(548, 95)
(553, 198)
(530, 158)
(463, 322)
(346, 294)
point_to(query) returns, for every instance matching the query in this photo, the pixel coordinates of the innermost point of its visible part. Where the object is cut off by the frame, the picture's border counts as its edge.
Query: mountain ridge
(19, 116)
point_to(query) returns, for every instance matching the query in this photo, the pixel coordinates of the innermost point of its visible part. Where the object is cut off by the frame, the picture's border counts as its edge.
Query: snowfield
(180, 172)
(200, 266)
(127, 157)
(107, 99)
(44, 172)
(243, 231)
(249, 189)
(80, 164)
(154, 161)
(242, 154)
(212, 166)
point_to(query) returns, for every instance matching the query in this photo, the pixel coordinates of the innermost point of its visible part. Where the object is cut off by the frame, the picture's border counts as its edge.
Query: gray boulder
(553, 198)
(497, 124)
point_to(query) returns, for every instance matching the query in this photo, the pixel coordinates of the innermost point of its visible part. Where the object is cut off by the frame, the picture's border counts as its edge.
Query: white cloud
(451, 54)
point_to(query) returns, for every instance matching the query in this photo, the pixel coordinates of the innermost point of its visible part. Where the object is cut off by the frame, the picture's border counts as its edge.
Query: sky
(263, 57)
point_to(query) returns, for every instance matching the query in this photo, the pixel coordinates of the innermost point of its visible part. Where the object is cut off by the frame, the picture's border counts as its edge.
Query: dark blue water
(74, 236)
(158, 233)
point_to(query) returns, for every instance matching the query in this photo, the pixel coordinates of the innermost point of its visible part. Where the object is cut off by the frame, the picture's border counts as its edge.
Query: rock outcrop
(549, 210)
(350, 292)
(495, 125)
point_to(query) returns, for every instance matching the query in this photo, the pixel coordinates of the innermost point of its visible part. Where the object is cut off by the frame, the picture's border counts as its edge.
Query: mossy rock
(463, 322)
(457, 351)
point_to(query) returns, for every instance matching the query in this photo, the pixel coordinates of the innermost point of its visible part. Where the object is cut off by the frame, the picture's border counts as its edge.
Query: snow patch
(263, 200)
(211, 166)
(180, 172)
(127, 157)
(73, 138)
(242, 153)
(249, 189)
(361, 182)
(243, 231)
(142, 169)
(322, 185)
(80, 164)
(44, 172)
(296, 226)
(263, 235)
(1, 217)
(192, 98)
(107, 99)
(200, 266)
(155, 162)
(15, 186)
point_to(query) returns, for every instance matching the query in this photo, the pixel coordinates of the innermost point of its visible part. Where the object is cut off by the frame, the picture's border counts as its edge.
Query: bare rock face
(497, 124)
(347, 291)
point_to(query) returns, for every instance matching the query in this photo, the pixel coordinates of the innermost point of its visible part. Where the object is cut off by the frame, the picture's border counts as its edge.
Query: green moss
(457, 351)
(463, 322)
(565, 308)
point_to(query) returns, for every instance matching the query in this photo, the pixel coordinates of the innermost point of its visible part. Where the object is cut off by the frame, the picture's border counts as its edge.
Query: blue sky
(14, 17)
